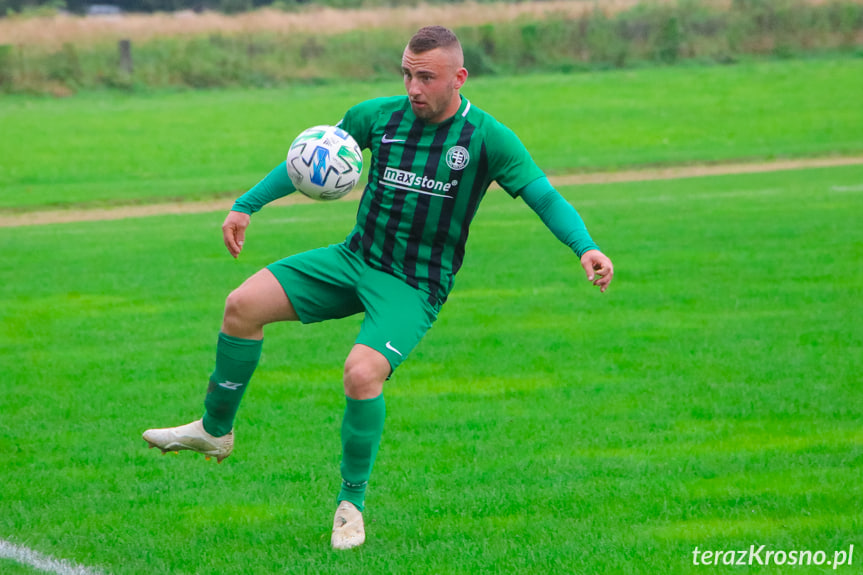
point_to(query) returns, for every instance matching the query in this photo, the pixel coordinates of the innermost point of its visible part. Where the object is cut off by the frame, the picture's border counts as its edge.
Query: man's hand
(234, 231)
(598, 268)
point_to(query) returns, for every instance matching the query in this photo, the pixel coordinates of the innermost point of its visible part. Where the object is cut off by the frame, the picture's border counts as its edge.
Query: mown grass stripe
(93, 214)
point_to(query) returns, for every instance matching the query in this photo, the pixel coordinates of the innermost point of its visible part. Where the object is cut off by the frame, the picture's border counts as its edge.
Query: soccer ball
(325, 162)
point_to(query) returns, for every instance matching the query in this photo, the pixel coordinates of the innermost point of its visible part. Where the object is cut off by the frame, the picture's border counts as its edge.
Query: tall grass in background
(648, 34)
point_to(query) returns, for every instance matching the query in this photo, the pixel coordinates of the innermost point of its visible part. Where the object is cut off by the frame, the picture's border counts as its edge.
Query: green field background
(710, 398)
(112, 148)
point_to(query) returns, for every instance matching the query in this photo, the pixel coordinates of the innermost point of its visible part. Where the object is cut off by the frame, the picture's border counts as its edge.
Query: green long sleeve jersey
(425, 184)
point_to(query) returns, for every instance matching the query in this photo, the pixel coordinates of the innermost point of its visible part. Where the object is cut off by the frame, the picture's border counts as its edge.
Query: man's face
(432, 80)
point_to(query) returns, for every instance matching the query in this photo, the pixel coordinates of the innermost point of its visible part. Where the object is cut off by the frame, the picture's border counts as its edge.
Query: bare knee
(365, 373)
(259, 301)
(238, 317)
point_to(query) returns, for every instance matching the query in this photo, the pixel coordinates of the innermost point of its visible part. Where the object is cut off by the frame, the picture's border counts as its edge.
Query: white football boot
(191, 436)
(348, 528)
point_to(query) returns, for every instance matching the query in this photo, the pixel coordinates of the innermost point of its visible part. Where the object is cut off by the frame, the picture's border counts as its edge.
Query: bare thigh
(258, 301)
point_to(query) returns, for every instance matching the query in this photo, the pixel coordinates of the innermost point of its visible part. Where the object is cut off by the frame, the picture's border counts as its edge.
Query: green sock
(236, 360)
(362, 428)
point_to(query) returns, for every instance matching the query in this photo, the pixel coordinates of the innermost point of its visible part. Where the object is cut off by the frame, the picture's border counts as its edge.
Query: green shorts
(333, 282)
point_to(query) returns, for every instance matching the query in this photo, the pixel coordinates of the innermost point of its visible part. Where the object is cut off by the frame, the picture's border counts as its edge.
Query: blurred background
(63, 46)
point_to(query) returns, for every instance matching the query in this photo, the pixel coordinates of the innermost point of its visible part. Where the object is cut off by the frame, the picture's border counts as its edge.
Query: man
(433, 157)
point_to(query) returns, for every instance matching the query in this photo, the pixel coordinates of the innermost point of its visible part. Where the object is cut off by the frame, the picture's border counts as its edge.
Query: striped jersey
(425, 183)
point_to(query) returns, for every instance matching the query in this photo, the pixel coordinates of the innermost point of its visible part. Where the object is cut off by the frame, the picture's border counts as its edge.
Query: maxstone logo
(410, 182)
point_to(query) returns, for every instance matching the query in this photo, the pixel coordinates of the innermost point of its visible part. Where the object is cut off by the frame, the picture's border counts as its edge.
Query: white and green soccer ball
(325, 162)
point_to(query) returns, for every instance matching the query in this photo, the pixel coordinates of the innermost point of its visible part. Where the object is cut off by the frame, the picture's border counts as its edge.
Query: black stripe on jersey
(434, 272)
(392, 225)
(367, 233)
(422, 207)
(476, 195)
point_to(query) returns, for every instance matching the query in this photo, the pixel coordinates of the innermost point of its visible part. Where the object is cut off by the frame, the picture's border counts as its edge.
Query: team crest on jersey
(457, 158)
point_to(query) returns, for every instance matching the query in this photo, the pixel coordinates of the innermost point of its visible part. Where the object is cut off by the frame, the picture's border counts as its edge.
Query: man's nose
(412, 86)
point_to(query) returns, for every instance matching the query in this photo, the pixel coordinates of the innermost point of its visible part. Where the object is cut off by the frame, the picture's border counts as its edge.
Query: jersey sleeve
(558, 215)
(512, 166)
(358, 121)
(275, 185)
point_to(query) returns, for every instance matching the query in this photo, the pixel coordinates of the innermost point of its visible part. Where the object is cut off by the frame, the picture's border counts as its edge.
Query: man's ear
(460, 78)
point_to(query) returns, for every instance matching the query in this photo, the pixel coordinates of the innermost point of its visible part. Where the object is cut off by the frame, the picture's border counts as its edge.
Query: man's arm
(565, 223)
(277, 184)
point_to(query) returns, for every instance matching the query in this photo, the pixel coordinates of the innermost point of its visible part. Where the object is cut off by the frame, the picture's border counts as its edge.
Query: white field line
(26, 556)
(43, 217)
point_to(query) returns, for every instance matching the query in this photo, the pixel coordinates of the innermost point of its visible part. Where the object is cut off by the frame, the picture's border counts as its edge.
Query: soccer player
(433, 155)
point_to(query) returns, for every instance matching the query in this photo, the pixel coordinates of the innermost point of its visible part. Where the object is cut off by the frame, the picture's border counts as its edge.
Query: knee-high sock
(362, 428)
(236, 360)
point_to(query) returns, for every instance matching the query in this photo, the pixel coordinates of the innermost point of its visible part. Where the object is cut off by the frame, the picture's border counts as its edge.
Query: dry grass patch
(82, 31)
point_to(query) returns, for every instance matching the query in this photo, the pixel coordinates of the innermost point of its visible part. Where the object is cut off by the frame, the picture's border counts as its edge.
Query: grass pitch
(115, 149)
(711, 398)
